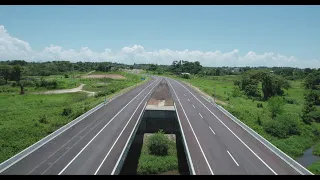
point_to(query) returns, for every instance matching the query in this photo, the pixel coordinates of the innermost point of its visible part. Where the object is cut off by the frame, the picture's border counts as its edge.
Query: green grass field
(315, 168)
(247, 111)
(25, 119)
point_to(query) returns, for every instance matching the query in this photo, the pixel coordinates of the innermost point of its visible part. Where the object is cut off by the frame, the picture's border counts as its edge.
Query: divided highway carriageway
(94, 143)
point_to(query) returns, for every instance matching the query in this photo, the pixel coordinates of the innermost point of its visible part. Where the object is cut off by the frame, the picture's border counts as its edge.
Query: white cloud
(14, 48)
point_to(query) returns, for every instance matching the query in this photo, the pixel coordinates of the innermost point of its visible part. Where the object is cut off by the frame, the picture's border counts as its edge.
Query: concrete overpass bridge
(209, 139)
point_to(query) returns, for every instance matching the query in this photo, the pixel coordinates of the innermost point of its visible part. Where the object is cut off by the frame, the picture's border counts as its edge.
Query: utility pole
(214, 94)
(105, 81)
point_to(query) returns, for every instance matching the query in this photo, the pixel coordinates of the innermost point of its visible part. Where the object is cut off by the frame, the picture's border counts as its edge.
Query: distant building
(235, 70)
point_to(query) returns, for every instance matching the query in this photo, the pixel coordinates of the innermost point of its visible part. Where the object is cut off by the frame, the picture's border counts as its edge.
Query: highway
(217, 145)
(93, 145)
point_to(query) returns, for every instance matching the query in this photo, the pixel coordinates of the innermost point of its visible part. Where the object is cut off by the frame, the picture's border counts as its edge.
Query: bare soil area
(61, 91)
(112, 76)
(161, 95)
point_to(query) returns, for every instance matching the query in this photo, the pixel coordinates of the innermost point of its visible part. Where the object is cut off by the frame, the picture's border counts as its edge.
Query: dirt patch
(161, 96)
(206, 95)
(102, 83)
(62, 91)
(111, 76)
(135, 71)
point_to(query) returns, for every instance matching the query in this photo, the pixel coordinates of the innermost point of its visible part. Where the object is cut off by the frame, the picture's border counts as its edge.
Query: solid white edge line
(200, 115)
(233, 158)
(185, 141)
(192, 130)
(127, 143)
(212, 130)
(102, 130)
(242, 124)
(230, 130)
(61, 148)
(62, 129)
(72, 146)
(124, 129)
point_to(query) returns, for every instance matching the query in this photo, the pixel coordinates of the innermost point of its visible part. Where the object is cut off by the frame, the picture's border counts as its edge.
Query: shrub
(275, 105)
(290, 101)
(283, 126)
(66, 76)
(236, 91)
(316, 150)
(259, 105)
(259, 121)
(186, 76)
(2, 82)
(14, 84)
(43, 119)
(49, 84)
(28, 83)
(314, 116)
(66, 111)
(158, 144)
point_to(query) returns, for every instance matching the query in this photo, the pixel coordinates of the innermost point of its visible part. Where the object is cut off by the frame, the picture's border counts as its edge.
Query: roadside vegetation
(281, 104)
(26, 115)
(158, 155)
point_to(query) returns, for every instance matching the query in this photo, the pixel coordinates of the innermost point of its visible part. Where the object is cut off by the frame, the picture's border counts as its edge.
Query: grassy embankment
(257, 118)
(25, 119)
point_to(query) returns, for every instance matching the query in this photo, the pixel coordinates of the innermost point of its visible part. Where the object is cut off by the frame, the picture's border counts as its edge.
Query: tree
(197, 67)
(16, 73)
(272, 85)
(275, 106)
(5, 71)
(153, 67)
(249, 84)
(312, 95)
(178, 67)
(312, 81)
(158, 144)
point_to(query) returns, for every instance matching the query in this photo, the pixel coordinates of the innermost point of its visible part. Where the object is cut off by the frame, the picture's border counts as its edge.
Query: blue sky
(214, 35)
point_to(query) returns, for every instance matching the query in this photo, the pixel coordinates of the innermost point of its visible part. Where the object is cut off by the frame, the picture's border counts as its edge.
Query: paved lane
(217, 145)
(82, 148)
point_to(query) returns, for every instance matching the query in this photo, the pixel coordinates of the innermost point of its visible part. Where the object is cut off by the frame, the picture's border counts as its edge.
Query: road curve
(93, 145)
(216, 144)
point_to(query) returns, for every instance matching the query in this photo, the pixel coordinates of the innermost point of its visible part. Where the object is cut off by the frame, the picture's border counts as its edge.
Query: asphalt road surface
(94, 145)
(216, 144)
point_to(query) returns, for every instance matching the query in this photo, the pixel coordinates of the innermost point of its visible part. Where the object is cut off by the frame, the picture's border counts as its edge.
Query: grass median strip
(158, 155)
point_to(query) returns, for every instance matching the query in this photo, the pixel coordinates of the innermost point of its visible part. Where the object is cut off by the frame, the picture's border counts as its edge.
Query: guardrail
(291, 162)
(16, 158)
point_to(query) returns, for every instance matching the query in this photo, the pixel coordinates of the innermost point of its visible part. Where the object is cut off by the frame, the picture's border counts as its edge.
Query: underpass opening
(159, 114)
